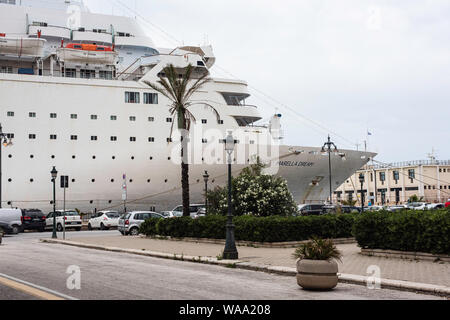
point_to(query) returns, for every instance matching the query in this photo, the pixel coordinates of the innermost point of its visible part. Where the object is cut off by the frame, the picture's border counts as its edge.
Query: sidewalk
(353, 263)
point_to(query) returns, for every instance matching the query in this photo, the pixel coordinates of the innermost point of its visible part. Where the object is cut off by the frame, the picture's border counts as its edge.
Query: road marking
(33, 289)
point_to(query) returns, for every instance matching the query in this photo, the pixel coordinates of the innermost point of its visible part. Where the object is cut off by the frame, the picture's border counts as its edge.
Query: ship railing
(413, 163)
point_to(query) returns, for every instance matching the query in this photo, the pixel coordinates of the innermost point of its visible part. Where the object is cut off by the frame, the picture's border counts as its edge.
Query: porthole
(31, 180)
(9, 180)
(53, 157)
(198, 180)
(91, 202)
(112, 180)
(9, 203)
(165, 181)
(151, 158)
(113, 157)
(94, 157)
(132, 158)
(31, 156)
(51, 202)
(213, 181)
(109, 201)
(73, 180)
(168, 158)
(131, 180)
(93, 180)
(148, 180)
(73, 157)
(9, 155)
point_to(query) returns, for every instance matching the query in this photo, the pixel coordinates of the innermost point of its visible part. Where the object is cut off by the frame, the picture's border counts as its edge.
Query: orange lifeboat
(87, 53)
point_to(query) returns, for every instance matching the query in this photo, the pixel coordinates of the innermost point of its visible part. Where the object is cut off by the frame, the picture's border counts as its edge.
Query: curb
(288, 244)
(286, 271)
(405, 255)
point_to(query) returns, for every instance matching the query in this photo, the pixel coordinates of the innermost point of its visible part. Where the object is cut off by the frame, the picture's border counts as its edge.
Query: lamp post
(327, 147)
(5, 142)
(230, 252)
(54, 174)
(206, 177)
(361, 180)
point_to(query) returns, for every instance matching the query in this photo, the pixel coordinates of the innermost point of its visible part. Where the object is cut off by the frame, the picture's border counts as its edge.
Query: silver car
(130, 222)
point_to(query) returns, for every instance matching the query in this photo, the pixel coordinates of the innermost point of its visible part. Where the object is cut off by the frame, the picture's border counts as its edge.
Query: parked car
(310, 209)
(70, 218)
(171, 214)
(104, 220)
(395, 208)
(415, 205)
(130, 223)
(33, 219)
(13, 218)
(193, 209)
(434, 206)
(333, 209)
(5, 228)
(447, 204)
(374, 208)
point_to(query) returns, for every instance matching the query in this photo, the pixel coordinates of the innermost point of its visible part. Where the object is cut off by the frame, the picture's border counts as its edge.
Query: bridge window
(132, 97)
(150, 98)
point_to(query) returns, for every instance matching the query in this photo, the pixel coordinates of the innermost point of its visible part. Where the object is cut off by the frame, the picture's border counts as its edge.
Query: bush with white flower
(254, 193)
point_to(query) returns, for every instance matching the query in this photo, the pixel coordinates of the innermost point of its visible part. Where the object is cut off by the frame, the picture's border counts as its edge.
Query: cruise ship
(74, 95)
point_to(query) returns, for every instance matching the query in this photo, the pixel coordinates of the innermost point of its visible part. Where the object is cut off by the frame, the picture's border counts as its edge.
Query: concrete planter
(317, 274)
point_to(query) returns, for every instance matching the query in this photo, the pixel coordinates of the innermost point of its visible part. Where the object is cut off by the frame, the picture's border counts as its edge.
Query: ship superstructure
(73, 95)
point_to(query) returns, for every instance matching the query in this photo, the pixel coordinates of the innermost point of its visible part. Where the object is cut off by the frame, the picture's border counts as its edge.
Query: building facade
(395, 183)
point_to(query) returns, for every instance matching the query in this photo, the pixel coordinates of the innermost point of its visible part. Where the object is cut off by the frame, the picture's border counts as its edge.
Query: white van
(12, 217)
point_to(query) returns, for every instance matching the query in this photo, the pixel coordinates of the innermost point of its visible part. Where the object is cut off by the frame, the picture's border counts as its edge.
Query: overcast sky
(339, 67)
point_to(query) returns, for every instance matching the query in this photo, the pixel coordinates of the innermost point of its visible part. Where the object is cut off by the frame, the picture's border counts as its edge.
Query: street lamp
(230, 252)
(206, 177)
(361, 180)
(5, 142)
(54, 174)
(327, 147)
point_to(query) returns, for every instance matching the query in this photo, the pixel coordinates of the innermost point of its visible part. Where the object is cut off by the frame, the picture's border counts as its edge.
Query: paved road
(112, 276)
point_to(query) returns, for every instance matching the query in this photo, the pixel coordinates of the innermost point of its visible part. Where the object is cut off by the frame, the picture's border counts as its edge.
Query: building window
(220, 121)
(31, 136)
(132, 118)
(150, 98)
(106, 75)
(10, 114)
(168, 119)
(204, 140)
(382, 176)
(204, 121)
(10, 135)
(113, 138)
(53, 137)
(411, 174)
(87, 74)
(169, 139)
(132, 97)
(6, 69)
(94, 117)
(93, 138)
(32, 114)
(53, 115)
(70, 73)
(73, 116)
(396, 175)
(151, 139)
(132, 139)
(74, 137)
(113, 118)
(151, 119)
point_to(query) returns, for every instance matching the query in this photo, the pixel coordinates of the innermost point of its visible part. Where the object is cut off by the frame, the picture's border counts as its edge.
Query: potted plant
(316, 264)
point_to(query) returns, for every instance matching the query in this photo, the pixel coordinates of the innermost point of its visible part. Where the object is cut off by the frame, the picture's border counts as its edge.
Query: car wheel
(78, 229)
(89, 226)
(59, 227)
(134, 231)
(15, 229)
(41, 229)
(102, 226)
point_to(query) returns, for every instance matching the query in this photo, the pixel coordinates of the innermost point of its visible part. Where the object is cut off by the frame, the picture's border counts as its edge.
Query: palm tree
(179, 90)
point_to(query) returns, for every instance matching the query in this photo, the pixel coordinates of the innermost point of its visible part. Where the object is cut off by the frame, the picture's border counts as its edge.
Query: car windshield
(178, 214)
(112, 215)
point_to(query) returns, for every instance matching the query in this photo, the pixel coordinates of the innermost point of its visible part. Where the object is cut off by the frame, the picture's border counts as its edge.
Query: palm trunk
(184, 165)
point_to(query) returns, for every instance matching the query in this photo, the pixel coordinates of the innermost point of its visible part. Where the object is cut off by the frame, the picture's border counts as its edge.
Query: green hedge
(257, 229)
(409, 230)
